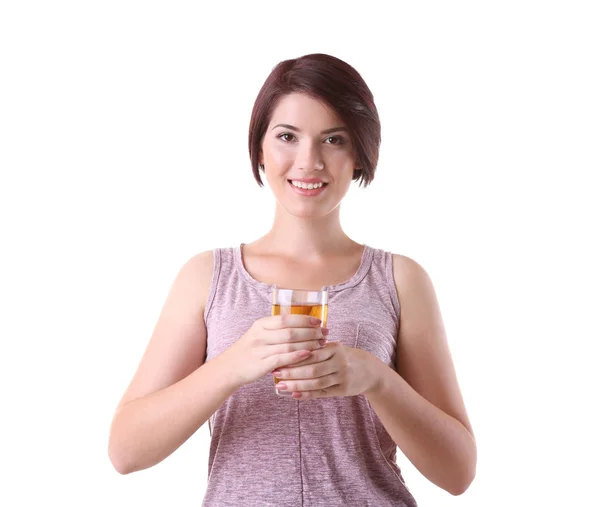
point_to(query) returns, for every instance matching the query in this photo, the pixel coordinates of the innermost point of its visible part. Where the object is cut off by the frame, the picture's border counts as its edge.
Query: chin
(316, 210)
(305, 207)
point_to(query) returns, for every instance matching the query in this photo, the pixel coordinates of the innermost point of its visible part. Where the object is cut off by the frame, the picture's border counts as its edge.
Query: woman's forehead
(302, 110)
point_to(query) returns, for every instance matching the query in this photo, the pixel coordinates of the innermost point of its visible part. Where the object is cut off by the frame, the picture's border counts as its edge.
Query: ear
(357, 164)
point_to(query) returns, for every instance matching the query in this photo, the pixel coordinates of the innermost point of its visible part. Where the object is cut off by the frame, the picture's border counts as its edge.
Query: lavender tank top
(268, 450)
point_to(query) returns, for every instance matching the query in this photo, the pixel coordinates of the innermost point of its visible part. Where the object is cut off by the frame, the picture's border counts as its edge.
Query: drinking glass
(303, 302)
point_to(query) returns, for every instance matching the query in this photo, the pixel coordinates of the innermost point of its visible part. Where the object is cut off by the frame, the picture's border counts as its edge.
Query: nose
(309, 158)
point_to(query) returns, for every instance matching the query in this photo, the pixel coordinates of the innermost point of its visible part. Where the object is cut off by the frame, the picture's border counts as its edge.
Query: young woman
(384, 379)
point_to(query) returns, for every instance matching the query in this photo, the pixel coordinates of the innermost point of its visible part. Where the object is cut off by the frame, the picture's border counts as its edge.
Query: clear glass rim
(299, 296)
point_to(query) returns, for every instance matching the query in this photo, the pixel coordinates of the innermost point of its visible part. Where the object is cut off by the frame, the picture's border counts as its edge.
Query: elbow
(126, 457)
(465, 473)
(120, 454)
(459, 488)
(122, 468)
(464, 480)
(118, 460)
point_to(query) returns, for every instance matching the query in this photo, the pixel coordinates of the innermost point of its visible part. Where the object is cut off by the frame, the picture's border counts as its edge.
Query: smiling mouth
(308, 190)
(307, 186)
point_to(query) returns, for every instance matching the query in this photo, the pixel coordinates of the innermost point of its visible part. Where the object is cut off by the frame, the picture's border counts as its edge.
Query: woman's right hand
(274, 342)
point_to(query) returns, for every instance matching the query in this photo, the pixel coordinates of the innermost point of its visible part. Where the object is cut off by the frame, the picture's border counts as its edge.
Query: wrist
(229, 371)
(376, 371)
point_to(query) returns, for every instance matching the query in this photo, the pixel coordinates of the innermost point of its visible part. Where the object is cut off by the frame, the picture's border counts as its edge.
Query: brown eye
(287, 137)
(334, 140)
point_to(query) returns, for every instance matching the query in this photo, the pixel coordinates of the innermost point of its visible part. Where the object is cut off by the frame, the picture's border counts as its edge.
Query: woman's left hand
(334, 370)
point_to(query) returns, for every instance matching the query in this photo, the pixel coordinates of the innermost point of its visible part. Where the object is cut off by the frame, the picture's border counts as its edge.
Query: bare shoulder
(177, 346)
(423, 356)
(420, 314)
(418, 301)
(408, 275)
(202, 261)
(191, 285)
(197, 274)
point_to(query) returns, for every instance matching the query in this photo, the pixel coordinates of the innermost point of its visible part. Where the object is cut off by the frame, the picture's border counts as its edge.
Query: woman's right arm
(173, 392)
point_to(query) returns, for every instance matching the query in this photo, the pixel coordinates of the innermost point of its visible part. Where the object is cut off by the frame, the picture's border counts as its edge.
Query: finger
(306, 372)
(290, 320)
(310, 384)
(280, 360)
(329, 392)
(293, 335)
(318, 356)
(284, 348)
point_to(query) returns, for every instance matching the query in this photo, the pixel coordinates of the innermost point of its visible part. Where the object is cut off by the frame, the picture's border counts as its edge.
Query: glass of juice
(304, 302)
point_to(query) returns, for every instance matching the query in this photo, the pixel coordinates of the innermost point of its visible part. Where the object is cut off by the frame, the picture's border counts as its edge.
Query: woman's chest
(296, 275)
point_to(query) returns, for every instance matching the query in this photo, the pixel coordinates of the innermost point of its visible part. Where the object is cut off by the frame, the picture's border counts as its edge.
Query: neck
(305, 238)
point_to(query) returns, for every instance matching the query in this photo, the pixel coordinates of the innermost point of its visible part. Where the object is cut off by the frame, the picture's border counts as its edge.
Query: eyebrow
(296, 129)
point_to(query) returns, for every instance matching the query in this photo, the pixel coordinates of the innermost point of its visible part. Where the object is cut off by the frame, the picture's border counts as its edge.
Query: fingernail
(322, 342)
(314, 320)
(276, 373)
(325, 331)
(280, 386)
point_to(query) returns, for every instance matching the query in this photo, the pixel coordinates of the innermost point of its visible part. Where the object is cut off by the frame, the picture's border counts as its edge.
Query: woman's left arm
(420, 404)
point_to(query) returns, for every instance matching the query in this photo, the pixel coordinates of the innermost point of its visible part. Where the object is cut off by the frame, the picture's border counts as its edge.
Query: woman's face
(306, 140)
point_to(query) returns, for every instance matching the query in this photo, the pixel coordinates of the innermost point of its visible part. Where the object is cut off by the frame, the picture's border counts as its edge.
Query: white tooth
(306, 186)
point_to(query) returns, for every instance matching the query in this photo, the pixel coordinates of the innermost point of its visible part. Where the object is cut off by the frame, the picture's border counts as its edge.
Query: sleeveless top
(270, 450)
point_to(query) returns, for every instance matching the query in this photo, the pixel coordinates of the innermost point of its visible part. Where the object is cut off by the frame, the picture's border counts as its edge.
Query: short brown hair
(334, 82)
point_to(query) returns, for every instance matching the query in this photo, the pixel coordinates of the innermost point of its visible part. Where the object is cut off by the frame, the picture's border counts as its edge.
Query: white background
(123, 151)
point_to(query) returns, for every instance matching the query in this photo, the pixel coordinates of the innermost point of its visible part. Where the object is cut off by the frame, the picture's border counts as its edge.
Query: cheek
(341, 157)
(341, 165)
(349, 156)
(278, 156)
